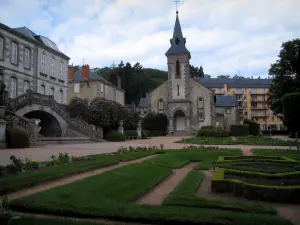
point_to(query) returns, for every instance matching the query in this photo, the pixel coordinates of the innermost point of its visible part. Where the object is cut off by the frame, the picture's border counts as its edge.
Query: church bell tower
(178, 66)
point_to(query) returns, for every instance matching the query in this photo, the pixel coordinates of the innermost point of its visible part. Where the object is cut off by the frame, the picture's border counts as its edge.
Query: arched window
(52, 91)
(43, 89)
(200, 109)
(160, 104)
(177, 68)
(13, 87)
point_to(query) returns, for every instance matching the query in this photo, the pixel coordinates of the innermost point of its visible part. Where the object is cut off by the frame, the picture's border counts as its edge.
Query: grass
(110, 196)
(206, 157)
(249, 140)
(19, 181)
(185, 195)
(293, 154)
(26, 220)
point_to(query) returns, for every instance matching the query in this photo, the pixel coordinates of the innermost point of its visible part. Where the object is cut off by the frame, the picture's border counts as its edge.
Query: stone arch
(45, 113)
(180, 109)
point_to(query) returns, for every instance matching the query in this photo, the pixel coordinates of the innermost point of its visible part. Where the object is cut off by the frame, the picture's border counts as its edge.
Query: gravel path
(158, 194)
(70, 179)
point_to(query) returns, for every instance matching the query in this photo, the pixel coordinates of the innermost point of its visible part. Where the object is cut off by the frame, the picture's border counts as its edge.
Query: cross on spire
(176, 2)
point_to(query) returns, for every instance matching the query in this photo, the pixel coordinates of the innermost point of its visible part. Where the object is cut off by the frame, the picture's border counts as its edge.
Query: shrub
(144, 134)
(78, 108)
(207, 127)
(131, 119)
(275, 132)
(240, 130)
(155, 122)
(114, 136)
(17, 138)
(254, 127)
(156, 133)
(212, 132)
(130, 133)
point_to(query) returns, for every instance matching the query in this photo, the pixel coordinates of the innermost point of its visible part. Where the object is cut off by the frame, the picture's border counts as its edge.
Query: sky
(224, 36)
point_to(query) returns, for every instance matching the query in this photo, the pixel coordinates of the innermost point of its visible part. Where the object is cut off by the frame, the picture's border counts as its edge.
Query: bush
(156, 133)
(17, 138)
(254, 127)
(275, 132)
(291, 111)
(240, 129)
(130, 133)
(212, 132)
(145, 134)
(114, 136)
(207, 127)
(155, 122)
(78, 108)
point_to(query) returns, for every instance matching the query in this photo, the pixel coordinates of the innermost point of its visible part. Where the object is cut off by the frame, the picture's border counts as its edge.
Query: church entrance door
(180, 121)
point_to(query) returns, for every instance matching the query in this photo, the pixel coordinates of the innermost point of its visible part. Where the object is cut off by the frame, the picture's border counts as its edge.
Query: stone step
(60, 140)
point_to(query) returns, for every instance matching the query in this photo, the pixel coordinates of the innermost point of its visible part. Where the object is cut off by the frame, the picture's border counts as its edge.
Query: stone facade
(188, 104)
(21, 62)
(227, 116)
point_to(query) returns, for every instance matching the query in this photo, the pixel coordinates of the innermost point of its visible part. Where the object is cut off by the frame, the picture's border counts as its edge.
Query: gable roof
(92, 77)
(144, 102)
(236, 83)
(226, 101)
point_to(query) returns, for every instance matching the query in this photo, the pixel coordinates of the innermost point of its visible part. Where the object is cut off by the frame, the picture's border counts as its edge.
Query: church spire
(177, 41)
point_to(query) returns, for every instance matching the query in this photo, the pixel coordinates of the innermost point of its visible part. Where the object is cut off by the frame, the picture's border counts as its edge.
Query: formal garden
(221, 186)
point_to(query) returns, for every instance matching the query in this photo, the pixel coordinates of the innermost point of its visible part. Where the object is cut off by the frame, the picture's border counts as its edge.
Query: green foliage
(223, 77)
(184, 195)
(78, 108)
(114, 136)
(291, 111)
(254, 127)
(17, 138)
(131, 119)
(209, 131)
(286, 75)
(278, 152)
(155, 122)
(130, 133)
(240, 129)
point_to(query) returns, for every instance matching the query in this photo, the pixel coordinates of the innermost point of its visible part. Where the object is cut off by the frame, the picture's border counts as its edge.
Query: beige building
(84, 83)
(251, 94)
(188, 104)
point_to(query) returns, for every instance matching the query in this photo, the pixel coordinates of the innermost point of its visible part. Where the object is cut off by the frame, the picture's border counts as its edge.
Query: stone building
(84, 83)
(32, 61)
(188, 104)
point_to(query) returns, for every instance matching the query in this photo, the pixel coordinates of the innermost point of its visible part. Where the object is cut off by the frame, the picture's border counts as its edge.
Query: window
(228, 111)
(26, 85)
(101, 90)
(14, 53)
(43, 89)
(76, 88)
(200, 109)
(254, 105)
(253, 90)
(106, 90)
(52, 91)
(263, 98)
(1, 47)
(61, 96)
(13, 87)
(228, 90)
(27, 58)
(177, 68)
(161, 104)
(178, 90)
(61, 70)
(43, 63)
(239, 90)
(53, 67)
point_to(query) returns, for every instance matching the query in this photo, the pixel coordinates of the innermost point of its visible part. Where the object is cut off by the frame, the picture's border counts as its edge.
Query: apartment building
(251, 95)
(32, 61)
(84, 83)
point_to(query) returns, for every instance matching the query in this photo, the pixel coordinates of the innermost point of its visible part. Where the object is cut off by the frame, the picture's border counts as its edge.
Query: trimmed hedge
(130, 133)
(238, 187)
(114, 136)
(254, 127)
(17, 138)
(240, 130)
(208, 131)
(157, 123)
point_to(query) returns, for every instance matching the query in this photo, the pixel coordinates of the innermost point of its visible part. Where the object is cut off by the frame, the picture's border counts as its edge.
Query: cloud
(224, 36)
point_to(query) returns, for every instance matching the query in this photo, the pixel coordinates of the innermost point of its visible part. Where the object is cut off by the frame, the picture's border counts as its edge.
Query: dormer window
(177, 40)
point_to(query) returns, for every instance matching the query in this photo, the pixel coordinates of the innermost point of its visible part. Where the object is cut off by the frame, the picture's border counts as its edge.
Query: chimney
(71, 71)
(119, 82)
(85, 71)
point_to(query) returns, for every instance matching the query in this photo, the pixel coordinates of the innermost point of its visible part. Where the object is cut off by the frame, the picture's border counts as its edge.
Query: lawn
(111, 195)
(21, 180)
(205, 157)
(185, 195)
(249, 140)
(293, 154)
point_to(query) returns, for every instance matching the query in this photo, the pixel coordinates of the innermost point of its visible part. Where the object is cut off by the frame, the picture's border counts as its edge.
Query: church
(185, 101)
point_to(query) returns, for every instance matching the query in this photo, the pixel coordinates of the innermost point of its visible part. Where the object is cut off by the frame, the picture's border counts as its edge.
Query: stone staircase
(76, 127)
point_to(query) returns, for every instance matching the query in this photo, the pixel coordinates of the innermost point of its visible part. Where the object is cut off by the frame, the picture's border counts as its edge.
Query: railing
(31, 97)
(16, 120)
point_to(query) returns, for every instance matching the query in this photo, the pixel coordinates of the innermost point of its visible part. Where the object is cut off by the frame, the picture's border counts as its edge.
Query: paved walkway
(45, 152)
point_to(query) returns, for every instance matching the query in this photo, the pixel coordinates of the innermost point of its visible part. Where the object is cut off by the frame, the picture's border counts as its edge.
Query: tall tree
(196, 72)
(285, 73)
(223, 76)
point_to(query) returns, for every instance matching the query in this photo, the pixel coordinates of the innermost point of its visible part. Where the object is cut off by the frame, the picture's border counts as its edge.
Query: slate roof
(226, 101)
(177, 41)
(236, 83)
(144, 103)
(92, 77)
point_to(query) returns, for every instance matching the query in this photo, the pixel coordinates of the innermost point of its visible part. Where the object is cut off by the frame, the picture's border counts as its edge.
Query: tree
(291, 111)
(78, 108)
(238, 77)
(223, 77)
(196, 72)
(285, 73)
